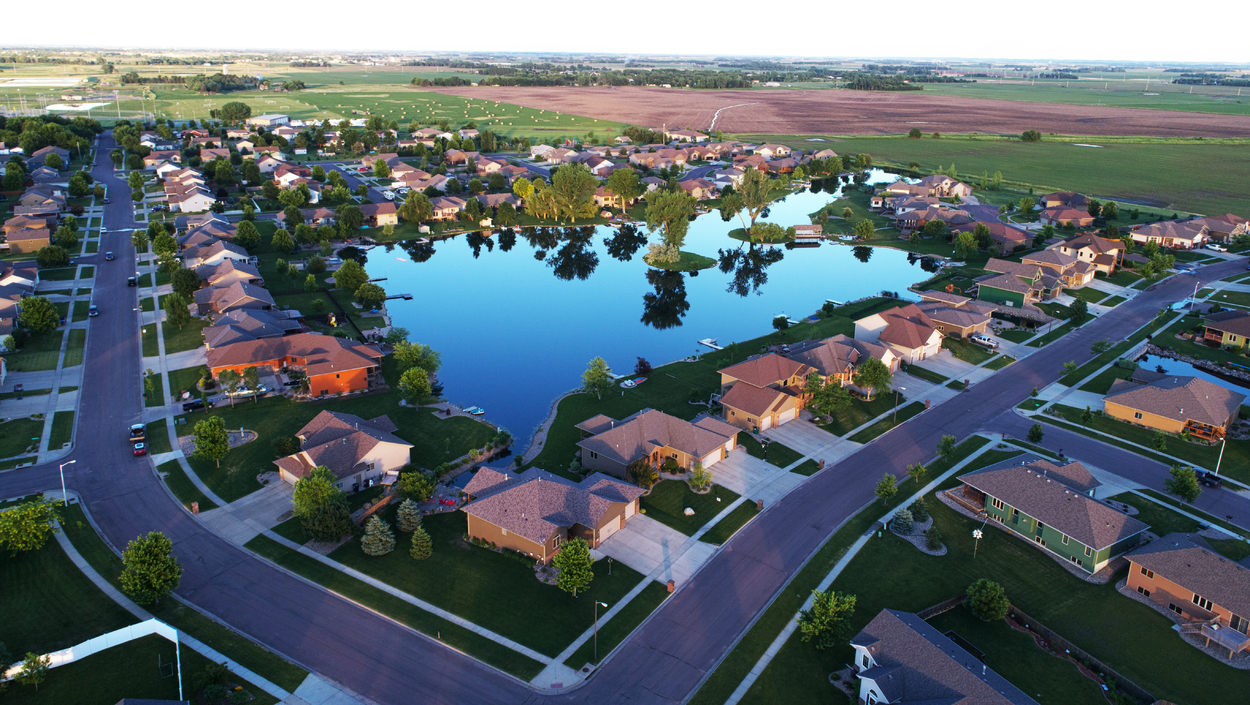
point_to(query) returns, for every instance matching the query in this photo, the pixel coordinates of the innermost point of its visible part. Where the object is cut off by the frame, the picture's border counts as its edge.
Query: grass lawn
(435, 439)
(157, 396)
(157, 437)
(18, 435)
(125, 672)
(25, 393)
(1114, 301)
(80, 310)
(966, 351)
(922, 373)
(145, 280)
(669, 498)
(40, 353)
(1017, 335)
(62, 429)
(62, 274)
(1087, 294)
(614, 631)
(1000, 362)
(74, 351)
(727, 527)
(688, 262)
(1237, 298)
(858, 413)
(147, 304)
(888, 423)
(808, 468)
(189, 337)
(774, 453)
(88, 272)
(1055, 334)
(182, 486)
(747, 652)
(1175, 503)
(1162, 520)
(150, 344)
(172, 612)
(1168, 339)
(185, 379)
(1112, 354)
(1102, 383)
(473, 582)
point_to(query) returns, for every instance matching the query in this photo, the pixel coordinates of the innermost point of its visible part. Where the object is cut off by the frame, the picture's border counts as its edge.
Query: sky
(1058, 30)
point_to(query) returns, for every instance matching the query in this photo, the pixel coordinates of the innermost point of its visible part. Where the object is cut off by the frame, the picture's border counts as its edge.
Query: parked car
(1217, 247)
(1208, 479)
(132, 281)
(193, 405)
(363, 169)
(985, 340)
(106, 201)
(93, 311)
(403, 191)
(141, 449)
(388, 195)
(108, 256)
(248, 392)
(138, 432)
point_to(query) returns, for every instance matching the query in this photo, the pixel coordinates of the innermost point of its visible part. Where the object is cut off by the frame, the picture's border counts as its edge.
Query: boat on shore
(631, 383)
(475, 410)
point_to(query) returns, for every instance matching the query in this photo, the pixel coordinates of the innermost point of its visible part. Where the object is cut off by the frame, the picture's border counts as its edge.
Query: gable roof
(907, 327)
(338, 441)
(915, 663)
(322, 354)
(750, 399)
(536, 504)
(1100, 245)
(245, 324)
(1179, 398)
(1018, 269)
(765, 370)
(647, 430)
(1050, 499)
(233, 295)
(1188, 561)
(1234, 321)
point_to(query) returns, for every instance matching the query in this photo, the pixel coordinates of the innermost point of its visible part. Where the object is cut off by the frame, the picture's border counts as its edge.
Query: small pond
(518, 316)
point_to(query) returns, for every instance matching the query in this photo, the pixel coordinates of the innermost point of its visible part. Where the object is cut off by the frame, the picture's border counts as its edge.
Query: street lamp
(64, 496)
(597, 604)
(896, 391)
(976, 534)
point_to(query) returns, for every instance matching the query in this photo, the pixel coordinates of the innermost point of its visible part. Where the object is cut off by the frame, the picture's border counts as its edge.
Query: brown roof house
(1063, 215)
(231, 297)
(244, 324)
(379, 214)
(1182, 573)
(838, 358)
(955, 315)
(1074, 272)
(763, 392)
(1223, 228)
(1052, 506)
(1064, 198)
(1228, 329)
(1185, 235)
(609, 445)
(900, 658)
(354, 449)
(1098, 251)
(535, 512)
(1008, 238)
(332, 365)
(908, 331)
(1174, 404)
(1016, 284)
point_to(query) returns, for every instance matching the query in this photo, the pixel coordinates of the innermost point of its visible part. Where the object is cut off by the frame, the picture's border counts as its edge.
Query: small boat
(475, 410)
(631, 383)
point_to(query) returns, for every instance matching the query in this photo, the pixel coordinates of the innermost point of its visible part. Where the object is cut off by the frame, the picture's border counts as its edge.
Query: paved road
(388, 663)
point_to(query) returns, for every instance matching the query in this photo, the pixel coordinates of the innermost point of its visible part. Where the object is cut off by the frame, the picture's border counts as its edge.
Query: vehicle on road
(138, 432)
(132, 281)
(141, 449)
(1208, 479)
(93, 311)
(388, 195)
(985, 340)
(108, 256)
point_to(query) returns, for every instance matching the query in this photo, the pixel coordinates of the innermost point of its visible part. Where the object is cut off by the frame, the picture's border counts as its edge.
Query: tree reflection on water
(667, 305)
(749, 267)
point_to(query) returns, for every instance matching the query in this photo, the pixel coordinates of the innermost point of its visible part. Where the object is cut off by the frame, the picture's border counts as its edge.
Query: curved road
(386, 662)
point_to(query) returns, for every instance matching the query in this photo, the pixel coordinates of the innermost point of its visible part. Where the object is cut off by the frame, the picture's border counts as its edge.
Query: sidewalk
(47, 454)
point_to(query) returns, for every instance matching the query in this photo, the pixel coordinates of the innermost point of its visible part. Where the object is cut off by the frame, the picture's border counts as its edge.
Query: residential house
(782, 166)
(1174, 404)
(1007, 238)
(731, 176)
(487, 166)
(621, 139)
(268, 164)
(1054, 507)
(46, 175)
(541, 151)
(40, 155)
(609, 446)
(268, 120)
(446, 207)
(954, 315)
(1075, 273)
(208, 155)
(17, 281)
(332, 365)
(436, 182)
(763, 392)
(237, 133)
(600, 167)
(513, 172)
(494, 200)
(1098, 251)
(229, 271)
(434, 133)
(1063, 215)
(907, 331)
(700, 189)
(212, 253)
(457, 157)
(286, 175)
(1065, 198)
(354, 449)
(535, 512)
(900, 658)
(1228, 329)
(1223, 228)
(245, 324)
(380, 214)
(651, 183)
(191, 201)
(369, 160)
(1177, 234)
(772, 151)
(26, 234)
(943, 186)
(684, 136)
(920, 217)
(1016, 284)
(467, 132)
(156, 158)
(231, 297)
(1184, 574)
(837, 359)
(43, 195)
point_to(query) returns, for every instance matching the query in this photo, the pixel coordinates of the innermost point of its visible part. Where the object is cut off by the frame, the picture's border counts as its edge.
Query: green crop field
(1111, 92)
(1209, 178)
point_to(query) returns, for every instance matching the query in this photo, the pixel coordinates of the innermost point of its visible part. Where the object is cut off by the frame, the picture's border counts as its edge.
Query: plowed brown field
(845, 112)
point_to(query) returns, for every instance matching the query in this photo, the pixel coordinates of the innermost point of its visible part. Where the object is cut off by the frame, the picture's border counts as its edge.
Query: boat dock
(835, 302)
(405, 297)
(711, 343)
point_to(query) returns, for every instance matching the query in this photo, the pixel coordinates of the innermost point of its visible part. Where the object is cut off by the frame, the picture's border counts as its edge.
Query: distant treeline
(1061, 75)
(921, 68)
(877, 82)
(308, 64)
(221, 83)
(1211, 79)
(133, 77)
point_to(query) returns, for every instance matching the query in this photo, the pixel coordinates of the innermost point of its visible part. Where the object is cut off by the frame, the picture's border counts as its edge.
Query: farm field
(1111, 92)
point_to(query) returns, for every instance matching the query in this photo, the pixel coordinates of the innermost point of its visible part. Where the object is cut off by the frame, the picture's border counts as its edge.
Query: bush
(988, 600)
(903, 522)
(285, 446)
(669, 466)
(240, 696)
(919, 510)
(933, 538)
(215, 693)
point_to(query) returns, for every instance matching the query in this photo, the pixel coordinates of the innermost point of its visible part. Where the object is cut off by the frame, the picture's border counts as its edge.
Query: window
(1238, 623)
(1065, 539)
(997, 503)
(872, 698)
(1089, 551)
(1150, 574)
(505, 532)
(1143, 591)
(1202, 602)
(733, 413)
(556, 541)
(1015, 515)
(594, 455)
(1075, 560)
(867, 661)
(1172, 606)
(1137, 415)
(1041, 541)
(1040, 526)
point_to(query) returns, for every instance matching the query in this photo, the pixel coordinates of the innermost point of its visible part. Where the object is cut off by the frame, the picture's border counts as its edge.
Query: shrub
(919, 510)
(933, 538)
(240, 696)
(903, 522)
(378, 540)
(215, 693)
(988, 600)
(669, 466)
(408, 517)
(700, 479)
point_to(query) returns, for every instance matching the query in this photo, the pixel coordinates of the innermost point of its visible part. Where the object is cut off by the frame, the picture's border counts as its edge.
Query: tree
(234, 112)
(247, 237)
(754, 194)
(224, 174)
(164, 244)
(39, 315)
(1183, 482)
(251, 172)
(370, 295)
(670, 212)
(1110, 211)
(624, 185)
(903, 521)
(575, 565)
(1035, 433)
(828, 619)
(381, 169)
(408, 516)
(185, 282)
(211, 438)
(150, 569)
(350, 276)
(572, 191)
(1078, 311)
(417, 355)
(34, 669)
(864, 229)
(966, 244)
(139, 239)
(946, 447)
(414, 385)
(642, 368)
(919, 510)
(379, 540)
(987, 600)
(177, 309)
(1087, 416)
(1094, 207)
(1159, 441)
(918, 473)
(873, 376)
(1030, 136)
(27, 527)
(52, 256)
(595, 379)
(642, 473)
(416, 486)
(310, 283)
(417, 208)
(522, 188)
(886, 489)
(321, 506)
(282, 241)
(422, 546)
(270, 191)
(1100, 346)
(827, 396)
(505, 214)
(232, 380)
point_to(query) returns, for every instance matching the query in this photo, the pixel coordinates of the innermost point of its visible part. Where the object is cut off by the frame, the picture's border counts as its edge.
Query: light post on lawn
(976, 534)
(1221, 458)
(64, 495)
(896, 391)
(597, 604)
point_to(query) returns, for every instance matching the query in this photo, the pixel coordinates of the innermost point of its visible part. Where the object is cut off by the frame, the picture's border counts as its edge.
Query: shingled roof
(765, 370)
(907, 327)
(338, 441)
(1054, 496)
(322, 354)
(1188, 561)
(637, 436)
(536, 504)
(915, 663)
(1236, 322)
(1179, 398)
(757, 401)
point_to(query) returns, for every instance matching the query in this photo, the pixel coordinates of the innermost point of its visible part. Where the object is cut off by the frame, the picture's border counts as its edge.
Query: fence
(1122, 684)
(939, 608)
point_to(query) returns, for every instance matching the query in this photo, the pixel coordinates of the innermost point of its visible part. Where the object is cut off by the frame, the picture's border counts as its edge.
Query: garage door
(610, 529)
(786, 416)
(766, 423)
(629, 510)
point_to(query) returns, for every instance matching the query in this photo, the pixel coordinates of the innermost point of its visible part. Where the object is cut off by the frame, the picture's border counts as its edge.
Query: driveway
(947, 365)
(240, 521)
(655, 550)
(753, 478)
(809, 439)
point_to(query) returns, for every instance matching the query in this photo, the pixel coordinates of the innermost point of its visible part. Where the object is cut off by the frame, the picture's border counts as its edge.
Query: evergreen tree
(379, 540)
(575, 565)
(408, 518)
(422, 546)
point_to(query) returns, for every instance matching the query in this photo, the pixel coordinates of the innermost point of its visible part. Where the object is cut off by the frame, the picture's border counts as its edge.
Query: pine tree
(422, 547)
(575, 564)
(379, 540)
(409, 517)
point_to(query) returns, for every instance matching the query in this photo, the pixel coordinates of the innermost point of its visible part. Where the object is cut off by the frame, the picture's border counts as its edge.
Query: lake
(1178, 367)
(517, 317)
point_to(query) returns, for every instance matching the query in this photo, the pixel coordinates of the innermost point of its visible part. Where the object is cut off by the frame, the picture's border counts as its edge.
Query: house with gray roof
(232, 296)
(609, 445)
(354, 449)
(900, 658)
(246, 324)
(1054, 507)
(535, 512)
(1174, 404)
(1228, 329)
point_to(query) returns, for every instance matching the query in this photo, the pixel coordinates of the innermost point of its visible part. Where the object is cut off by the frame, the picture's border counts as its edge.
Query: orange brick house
(763, 392)
(333, 365)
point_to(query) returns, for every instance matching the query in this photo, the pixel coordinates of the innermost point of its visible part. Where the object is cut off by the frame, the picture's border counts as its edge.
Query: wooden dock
(711, 343)
(405, 297)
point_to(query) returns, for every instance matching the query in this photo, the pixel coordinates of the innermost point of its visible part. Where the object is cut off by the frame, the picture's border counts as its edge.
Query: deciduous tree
(417, 355)
(576, 566)
(987, 600)
(1183, 482)
(595, 379)
(350, 276)
(624, 185)
(321, 506)
(873, 376)
(414, 385)
(34, 669)
(946, 447)
(670, 212)
(886, 488)
(39, 315)
(177, 309)
(247, 236)
(27, 527)
(149, 568)
(211, 438)
(185, 282)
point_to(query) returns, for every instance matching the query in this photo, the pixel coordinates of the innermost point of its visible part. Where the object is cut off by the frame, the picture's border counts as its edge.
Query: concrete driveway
(240, 521)
(753, 478)
(947, 365)
(809, 439)
(655, 550)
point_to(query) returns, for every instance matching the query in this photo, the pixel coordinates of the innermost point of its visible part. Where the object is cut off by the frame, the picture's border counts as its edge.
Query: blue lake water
(517, 318)
(1177, 367)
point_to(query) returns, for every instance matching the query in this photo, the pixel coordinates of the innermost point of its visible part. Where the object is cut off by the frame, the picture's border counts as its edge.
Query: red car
(141, 449)
(364, 168)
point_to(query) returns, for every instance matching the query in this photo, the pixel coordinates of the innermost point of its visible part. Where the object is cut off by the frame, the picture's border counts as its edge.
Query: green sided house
(1017, 284)
(1054, 507)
